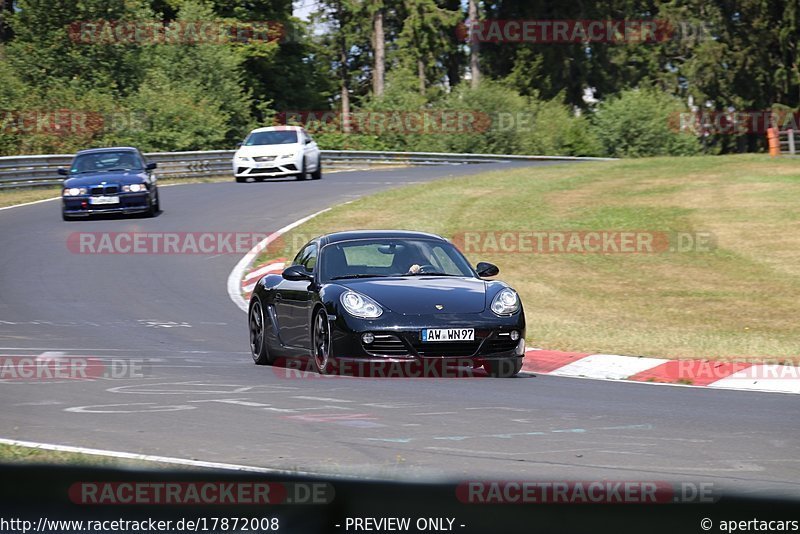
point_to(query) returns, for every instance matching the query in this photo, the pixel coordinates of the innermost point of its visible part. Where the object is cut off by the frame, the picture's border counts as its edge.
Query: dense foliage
(383, 67)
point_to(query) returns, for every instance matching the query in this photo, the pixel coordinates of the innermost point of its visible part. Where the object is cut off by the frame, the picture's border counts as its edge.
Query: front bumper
(398, 338)
(128, 203)
(268, 169)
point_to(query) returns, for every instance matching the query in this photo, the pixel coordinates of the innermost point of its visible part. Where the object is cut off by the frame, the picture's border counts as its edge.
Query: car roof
(351, 235)
(107, 149)
(277, 129)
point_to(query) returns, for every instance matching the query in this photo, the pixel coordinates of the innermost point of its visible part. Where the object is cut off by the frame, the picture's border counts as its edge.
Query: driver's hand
(414, 269)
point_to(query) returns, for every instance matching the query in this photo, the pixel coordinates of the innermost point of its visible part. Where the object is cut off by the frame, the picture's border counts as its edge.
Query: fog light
(514, 335)
(367, 338)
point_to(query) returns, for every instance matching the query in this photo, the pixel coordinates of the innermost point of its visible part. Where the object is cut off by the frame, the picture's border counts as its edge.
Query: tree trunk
(343, 71)
(474, 45)
(379, 47)
(421, 75)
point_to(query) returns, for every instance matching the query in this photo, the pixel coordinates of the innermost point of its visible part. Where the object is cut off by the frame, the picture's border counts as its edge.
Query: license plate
(104, 200)
(430, 335)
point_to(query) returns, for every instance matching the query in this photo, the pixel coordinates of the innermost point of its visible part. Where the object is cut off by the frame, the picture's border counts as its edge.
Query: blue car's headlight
(506, 302)
(74, 191)
(359, 305)
(134, 188)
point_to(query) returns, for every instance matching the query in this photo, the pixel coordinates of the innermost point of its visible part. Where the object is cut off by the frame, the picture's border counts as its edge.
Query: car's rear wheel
(258, 334)
(317, 174)
(505, 368)
(321, 343)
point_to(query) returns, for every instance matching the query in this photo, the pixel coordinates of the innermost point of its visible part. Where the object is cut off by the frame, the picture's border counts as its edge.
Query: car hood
(94, 178)
(267, 150)
(420, 295)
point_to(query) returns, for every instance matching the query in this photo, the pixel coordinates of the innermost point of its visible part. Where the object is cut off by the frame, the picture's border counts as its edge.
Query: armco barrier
(31, 171)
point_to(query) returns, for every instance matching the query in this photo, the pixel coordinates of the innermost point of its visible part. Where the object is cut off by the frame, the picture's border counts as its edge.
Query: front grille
(100, 190)
(265, 170)
(448, 348)
(386, 345)
(264, 158)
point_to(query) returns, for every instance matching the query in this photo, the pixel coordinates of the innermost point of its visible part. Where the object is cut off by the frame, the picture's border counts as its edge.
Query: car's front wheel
(258, 334)
(302, 174)
(241, 179)
(321, 343)
(505, 368)
(317, 174)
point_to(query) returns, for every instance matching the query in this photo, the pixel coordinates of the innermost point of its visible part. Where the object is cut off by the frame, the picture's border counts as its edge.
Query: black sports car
(109, 180)
(386, 296)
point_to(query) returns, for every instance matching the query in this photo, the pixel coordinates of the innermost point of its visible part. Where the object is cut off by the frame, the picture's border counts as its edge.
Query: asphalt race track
(202, 398)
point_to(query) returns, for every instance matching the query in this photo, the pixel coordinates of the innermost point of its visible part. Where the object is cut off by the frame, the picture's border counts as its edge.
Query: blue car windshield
(392, 257)
(122, 160)
(277, 137)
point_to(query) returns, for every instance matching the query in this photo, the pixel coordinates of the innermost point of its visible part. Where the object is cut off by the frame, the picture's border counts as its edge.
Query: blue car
(109, 180)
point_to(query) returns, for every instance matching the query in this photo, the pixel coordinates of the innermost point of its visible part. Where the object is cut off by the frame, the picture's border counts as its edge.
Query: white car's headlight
(242, 158)
(506, 302)
(359, 305)
(134, 188)
(74, 191)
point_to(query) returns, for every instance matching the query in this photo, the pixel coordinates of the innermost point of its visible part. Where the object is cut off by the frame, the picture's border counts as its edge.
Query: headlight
(74, 191)
(506, 302)
(290, 156)
(134, 188)
(242, 158)
(359, 305)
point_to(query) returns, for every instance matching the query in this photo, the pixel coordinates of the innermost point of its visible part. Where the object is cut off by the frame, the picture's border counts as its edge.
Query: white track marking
(148, 457)
(608, 366)
(235, 278)
(762, 378)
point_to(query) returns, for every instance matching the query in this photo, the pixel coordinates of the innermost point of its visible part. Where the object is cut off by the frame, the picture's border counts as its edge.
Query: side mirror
(297, 273)
(63, 172)
(308, 140)
(151, 166)
(239, 145)
(486, 269)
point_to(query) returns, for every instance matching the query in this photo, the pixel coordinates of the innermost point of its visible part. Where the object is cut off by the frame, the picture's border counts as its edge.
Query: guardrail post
(790, 133)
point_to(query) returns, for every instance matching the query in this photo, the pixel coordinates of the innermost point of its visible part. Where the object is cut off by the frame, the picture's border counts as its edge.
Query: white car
(276, 152)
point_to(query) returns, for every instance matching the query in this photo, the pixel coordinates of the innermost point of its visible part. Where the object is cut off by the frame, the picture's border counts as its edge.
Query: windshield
(279, 137)
(392, 257)
(123, 160)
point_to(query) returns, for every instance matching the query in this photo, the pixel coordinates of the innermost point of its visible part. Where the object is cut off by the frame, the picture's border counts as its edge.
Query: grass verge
(734, 300)
(33, 455)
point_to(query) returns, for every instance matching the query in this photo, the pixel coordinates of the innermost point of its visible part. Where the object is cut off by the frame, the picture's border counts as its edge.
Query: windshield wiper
(346, 276)
(116, 170)
(431, 274)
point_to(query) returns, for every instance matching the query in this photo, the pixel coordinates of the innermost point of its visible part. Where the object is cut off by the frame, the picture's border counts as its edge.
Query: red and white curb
(692, 373)
(661, 371)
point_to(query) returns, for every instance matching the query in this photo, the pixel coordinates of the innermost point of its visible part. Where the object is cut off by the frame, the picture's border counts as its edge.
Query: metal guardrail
(787, 142)
(33, 171)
